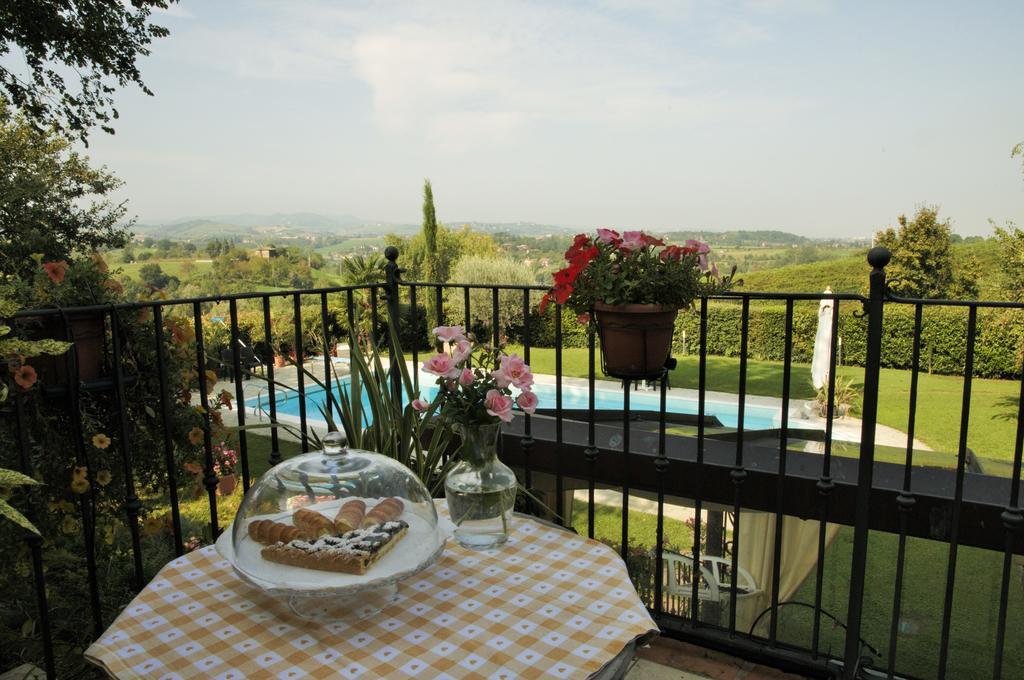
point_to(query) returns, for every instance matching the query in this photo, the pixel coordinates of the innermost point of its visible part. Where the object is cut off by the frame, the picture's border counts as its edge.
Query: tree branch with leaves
(96, 42)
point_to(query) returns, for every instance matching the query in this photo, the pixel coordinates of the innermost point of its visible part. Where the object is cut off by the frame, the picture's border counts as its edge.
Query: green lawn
(972, 627)
(991, 430)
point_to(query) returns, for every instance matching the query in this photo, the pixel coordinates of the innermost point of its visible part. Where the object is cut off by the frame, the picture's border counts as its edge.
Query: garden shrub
(999, 335)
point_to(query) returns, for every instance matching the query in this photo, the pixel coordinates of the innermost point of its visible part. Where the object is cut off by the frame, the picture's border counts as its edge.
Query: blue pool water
(755, 417)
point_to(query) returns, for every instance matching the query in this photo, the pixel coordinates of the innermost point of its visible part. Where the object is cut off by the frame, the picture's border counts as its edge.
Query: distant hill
(850, 274)
(263, 227)
(750, 238)
(517, 228)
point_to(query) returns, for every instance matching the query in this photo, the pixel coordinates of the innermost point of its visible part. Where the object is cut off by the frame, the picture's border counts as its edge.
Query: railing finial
(879, 257)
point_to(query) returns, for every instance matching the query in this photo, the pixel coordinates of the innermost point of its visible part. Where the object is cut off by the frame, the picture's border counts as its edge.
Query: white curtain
(799, 554)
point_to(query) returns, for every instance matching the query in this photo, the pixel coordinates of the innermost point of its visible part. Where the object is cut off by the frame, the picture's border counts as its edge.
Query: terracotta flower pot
(88, 332)
(226, 484)
(635, 339)
(279, 361)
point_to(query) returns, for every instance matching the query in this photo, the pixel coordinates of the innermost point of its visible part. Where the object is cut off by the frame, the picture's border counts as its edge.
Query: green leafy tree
(451, 246)
(156, 278)
(922, 258)
(1018, 150)
(1011, 260)
(54, 202)
(360, 270)
(98, 41)
(488, 271)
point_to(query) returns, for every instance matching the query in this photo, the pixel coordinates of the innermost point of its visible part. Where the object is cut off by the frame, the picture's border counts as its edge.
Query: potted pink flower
(478, 388)
(225, 462)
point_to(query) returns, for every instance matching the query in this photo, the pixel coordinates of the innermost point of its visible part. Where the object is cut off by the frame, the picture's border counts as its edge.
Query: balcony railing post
(393, 274)
(878, 257)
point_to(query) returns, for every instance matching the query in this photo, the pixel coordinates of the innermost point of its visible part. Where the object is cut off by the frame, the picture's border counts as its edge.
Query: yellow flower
(211, 381)
(80, 485)
(79, 473)
(195, 436)
(100, 441)
(108, 534)
(69, 525)
(66, 506)
(103, 477)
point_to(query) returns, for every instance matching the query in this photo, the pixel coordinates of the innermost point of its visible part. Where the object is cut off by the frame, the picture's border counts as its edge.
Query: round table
(548, 603)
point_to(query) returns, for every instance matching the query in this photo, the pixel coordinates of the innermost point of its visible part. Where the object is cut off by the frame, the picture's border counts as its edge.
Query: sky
(826, 119)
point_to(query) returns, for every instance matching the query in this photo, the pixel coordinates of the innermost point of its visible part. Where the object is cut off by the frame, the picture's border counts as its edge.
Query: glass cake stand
(322, 481)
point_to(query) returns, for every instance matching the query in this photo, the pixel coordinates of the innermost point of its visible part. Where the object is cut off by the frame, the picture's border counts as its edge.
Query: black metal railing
(586, 446)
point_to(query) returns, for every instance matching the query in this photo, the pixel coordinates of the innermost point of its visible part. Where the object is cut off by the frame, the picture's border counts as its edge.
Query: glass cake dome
(334, 531)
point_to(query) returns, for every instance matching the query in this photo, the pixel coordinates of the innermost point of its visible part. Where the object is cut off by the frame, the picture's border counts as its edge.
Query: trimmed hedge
(998, 351)
(998, 337)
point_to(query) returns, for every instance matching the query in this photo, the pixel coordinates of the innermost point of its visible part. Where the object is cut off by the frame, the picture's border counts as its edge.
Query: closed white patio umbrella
(822, 343)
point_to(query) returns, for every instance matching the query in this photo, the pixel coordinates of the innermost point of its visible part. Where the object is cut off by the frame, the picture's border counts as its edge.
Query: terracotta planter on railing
(635, 339)
(88, 332)
(226, 484)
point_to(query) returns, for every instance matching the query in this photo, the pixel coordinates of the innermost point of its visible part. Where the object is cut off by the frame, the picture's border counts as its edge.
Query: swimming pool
(573, 397)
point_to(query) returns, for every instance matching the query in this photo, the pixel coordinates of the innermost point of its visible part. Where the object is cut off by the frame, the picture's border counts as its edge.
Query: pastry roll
(387, 510)
(267, 532)
(350, 516)
(312, 523)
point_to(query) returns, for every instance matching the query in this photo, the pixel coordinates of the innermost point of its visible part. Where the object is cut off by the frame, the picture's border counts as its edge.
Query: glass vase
(481, 490)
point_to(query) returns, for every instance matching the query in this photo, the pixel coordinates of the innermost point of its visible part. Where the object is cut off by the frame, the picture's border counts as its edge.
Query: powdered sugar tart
(364, 558)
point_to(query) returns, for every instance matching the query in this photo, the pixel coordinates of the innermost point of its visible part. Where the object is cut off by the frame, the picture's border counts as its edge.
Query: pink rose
(420, 405)
(441, 365)
(499, 405)
(527, 401)
(513, 371)
(466, 378)
(583, 318)
(461, 351)
(607, 236)
(450, 333)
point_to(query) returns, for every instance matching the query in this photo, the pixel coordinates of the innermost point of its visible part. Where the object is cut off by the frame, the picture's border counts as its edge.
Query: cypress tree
(429, 233)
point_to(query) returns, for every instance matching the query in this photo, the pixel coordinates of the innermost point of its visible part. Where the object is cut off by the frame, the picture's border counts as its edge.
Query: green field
(172, 267)
(350, 245)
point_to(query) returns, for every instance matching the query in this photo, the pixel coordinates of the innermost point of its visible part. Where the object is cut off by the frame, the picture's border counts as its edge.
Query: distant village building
(267, 252)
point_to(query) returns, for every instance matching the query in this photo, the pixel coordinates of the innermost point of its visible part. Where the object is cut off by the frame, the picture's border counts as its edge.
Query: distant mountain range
(313, 226)
(309, 225)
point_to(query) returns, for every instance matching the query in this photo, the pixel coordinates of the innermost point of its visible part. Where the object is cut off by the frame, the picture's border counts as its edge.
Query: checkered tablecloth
(548, 603)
